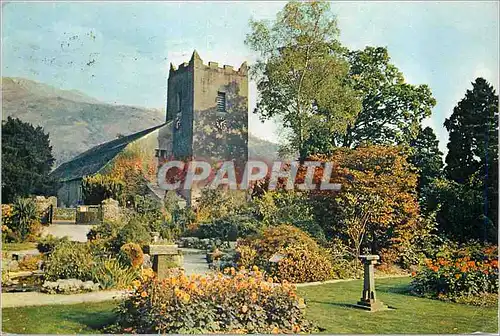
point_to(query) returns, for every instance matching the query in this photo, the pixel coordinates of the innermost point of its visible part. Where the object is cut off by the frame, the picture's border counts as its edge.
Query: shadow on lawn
(94, 320)
(344, 305)
(401, 289)
(337, 304)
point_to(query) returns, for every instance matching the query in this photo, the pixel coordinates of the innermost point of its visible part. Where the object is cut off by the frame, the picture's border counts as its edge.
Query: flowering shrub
(235, 302)
(302, 259)
(303, 264)
(132, 253)
(459, 277)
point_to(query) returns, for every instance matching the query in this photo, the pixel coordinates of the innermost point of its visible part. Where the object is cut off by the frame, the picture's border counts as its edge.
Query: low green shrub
(48, 243)
(111, 236)
(70, 260)
(238, 302)
(110, 273)
(229, 228)
(344, 262)
(133, 232)
(104, 233)
(73, 260)
(287, 207)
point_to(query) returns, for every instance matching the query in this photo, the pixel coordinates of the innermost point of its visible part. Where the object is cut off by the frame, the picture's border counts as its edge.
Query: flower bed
(462, 277)
(235, 302)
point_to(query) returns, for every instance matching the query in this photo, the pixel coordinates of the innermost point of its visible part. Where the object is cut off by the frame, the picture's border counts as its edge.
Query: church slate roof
(94, 159)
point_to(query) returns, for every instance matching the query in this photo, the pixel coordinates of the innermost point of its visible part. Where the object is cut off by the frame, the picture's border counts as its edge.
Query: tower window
(221, 102)
(179, 102)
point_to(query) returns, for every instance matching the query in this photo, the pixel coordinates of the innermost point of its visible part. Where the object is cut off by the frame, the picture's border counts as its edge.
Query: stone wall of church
(180, 109)
(220, 135)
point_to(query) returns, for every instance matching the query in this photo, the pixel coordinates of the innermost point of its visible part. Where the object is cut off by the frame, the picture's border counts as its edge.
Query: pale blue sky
(119, 52)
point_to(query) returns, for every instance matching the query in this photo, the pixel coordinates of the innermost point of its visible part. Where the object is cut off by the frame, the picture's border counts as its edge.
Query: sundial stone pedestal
(369, 300)
(164, 257)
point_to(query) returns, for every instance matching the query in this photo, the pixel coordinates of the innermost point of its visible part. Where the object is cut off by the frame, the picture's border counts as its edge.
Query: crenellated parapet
(197, 62)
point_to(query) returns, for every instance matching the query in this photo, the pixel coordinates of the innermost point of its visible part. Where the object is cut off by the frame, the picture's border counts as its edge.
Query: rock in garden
(13, 266)
(146, 261)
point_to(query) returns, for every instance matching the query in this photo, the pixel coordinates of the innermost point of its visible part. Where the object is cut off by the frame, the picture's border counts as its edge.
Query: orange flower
(192, 286)
(457, 276)
(471, 263)
(494, 263)
(144, 294)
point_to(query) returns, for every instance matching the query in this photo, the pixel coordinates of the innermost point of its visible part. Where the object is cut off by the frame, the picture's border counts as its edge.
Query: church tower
(208, 107)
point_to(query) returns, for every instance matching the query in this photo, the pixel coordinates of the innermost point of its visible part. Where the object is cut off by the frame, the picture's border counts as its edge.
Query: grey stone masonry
(164, 257)
(369, 299)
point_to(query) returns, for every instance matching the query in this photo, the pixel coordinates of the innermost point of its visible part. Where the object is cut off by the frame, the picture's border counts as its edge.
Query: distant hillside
(77, 122)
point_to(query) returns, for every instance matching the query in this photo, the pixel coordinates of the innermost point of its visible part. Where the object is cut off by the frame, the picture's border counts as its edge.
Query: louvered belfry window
(221, 102)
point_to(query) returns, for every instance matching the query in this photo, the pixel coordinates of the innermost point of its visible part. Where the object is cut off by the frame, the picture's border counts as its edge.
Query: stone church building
(206, 119)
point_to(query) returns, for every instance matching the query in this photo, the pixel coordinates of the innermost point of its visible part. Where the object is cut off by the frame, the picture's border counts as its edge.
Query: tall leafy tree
(427, 158)
(301, 73)
(460, 210)
(473, 129)
(472, 158)
(392, 110)
(376, 207)
(26, 160)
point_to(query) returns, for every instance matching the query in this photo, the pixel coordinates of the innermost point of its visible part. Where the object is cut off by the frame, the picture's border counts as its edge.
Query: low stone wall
(68, 214)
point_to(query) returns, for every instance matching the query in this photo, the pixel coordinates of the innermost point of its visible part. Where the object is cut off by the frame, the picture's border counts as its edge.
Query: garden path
(75, 232)
(42, 299)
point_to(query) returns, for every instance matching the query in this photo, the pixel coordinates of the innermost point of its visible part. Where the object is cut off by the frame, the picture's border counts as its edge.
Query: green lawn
(327, 305)
(18, 246)
(83, 318)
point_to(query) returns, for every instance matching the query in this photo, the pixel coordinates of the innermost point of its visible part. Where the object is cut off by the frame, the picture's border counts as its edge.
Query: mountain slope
(77, 122)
